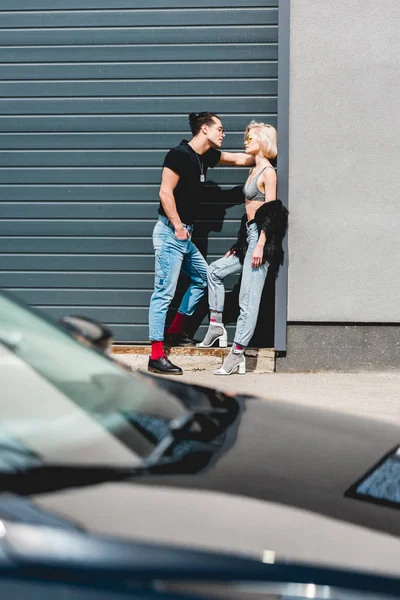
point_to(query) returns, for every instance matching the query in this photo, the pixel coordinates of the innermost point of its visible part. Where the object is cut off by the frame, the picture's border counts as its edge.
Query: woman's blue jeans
(251, 287)
(172, 257)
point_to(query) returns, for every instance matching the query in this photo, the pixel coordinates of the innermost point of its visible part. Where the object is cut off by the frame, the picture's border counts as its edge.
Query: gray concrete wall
(344, 242)
(341, 348)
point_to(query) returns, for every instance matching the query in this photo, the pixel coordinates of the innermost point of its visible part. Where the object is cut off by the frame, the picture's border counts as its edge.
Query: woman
(259, 245)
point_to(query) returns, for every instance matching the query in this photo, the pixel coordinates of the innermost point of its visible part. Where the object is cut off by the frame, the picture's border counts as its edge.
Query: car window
(381, 484)
(62, 386)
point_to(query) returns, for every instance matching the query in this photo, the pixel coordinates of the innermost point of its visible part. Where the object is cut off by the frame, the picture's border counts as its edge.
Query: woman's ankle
(238, 347)
(215, 316)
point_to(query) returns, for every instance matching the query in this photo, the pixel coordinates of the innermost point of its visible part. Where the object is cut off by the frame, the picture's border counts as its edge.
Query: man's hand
(256, 259)
(181, 234)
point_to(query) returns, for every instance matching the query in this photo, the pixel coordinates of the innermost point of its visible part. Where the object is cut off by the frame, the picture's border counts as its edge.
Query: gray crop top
(252, 192)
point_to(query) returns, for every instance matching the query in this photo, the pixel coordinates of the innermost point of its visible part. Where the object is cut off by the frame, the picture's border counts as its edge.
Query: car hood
(281, 488)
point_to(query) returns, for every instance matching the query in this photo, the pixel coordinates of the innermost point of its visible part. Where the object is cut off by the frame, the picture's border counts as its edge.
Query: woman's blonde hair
(268, 137)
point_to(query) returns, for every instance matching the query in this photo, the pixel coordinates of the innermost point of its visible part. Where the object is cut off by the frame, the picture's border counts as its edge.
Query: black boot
(163, 366)
(179, 339)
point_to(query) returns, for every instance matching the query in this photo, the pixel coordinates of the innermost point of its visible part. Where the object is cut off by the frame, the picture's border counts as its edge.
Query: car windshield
(62, 402)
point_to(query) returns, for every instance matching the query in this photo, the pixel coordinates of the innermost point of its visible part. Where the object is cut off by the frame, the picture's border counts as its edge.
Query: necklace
(202, 176)
(201, 166)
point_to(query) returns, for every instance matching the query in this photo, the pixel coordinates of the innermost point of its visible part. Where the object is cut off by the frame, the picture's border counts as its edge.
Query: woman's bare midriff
(251, 208)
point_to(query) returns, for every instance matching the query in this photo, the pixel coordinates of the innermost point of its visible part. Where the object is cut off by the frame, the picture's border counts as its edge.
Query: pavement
(372, 394)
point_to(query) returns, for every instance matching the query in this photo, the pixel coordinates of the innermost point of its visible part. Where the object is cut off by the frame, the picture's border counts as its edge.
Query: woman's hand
(231, 251)
(256, 259)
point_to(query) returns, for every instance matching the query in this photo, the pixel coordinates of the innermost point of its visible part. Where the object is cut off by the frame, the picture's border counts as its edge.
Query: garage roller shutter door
(92, 95)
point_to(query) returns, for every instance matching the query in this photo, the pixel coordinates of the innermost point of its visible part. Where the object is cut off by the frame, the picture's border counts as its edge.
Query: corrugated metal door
(92, 95)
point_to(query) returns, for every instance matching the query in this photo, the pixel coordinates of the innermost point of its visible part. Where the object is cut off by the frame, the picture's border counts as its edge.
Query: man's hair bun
(197, 120)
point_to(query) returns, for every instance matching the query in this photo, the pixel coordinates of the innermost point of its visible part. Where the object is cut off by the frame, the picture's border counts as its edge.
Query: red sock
(238, 346)
(177, 323)
(157, 350)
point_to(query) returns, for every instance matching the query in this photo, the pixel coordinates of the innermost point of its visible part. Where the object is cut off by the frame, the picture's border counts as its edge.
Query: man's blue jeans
(172, 257)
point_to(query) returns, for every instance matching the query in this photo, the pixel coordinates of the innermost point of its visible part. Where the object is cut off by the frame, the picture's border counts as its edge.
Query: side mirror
(89, 332)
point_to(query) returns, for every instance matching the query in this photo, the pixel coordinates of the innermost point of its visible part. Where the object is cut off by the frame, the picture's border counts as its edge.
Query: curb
(258, 360)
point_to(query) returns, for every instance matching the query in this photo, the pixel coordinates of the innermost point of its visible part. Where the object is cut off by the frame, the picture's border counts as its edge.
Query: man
(182, 187)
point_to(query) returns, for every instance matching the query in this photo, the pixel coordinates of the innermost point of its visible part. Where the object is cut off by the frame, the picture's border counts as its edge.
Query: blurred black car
(119, 484)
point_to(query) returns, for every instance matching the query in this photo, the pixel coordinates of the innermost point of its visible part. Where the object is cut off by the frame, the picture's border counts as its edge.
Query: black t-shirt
(189, 165)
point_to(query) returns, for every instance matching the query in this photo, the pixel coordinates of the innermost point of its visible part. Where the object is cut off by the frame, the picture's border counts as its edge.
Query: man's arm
(237, 159)
(169, 182)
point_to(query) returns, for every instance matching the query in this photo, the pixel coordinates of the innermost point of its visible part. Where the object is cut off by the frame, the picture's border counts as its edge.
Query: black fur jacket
(271, 218)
